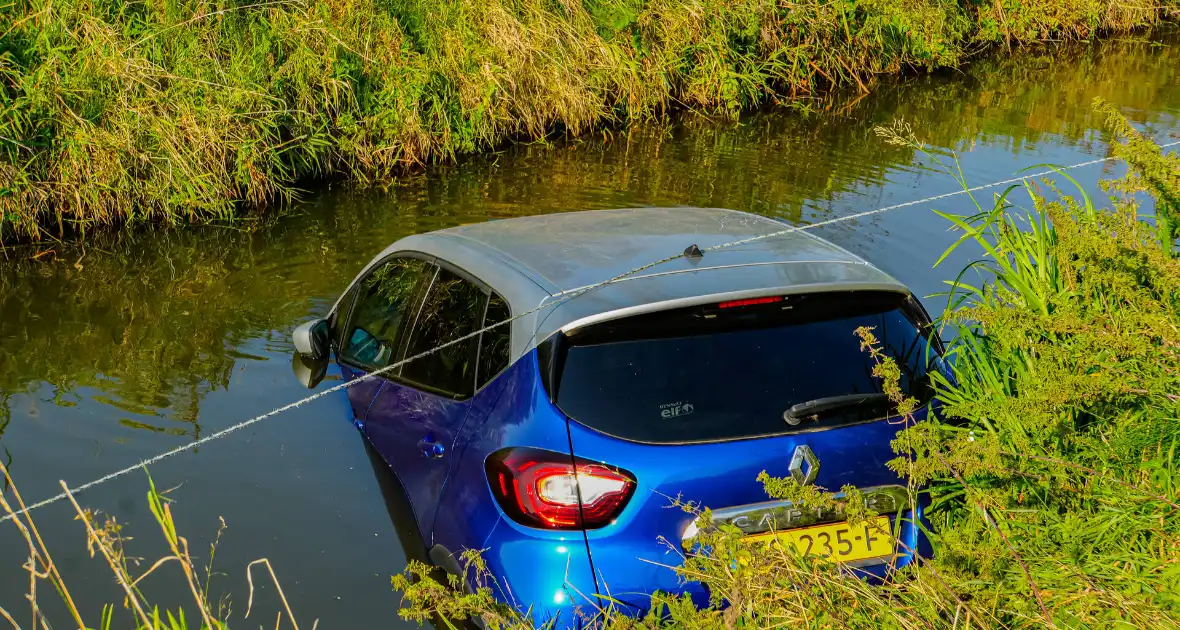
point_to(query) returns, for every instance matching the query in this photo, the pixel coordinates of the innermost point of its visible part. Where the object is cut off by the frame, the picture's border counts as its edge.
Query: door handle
(430, 448)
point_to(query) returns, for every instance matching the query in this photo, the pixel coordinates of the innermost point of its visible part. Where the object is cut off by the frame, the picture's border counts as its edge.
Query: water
(120, 350)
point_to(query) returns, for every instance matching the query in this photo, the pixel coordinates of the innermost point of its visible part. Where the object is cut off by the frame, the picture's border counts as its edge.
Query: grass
(1054, 477)
(177, 111)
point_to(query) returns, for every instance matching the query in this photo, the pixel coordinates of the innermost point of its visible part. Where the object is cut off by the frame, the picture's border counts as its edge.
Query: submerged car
(555, 439)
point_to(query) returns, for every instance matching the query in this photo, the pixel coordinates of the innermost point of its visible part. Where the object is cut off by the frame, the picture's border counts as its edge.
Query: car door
(416, 417)
(375, 316)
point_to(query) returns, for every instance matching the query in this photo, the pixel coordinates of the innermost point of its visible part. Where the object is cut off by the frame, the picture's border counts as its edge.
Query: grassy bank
(118, 113)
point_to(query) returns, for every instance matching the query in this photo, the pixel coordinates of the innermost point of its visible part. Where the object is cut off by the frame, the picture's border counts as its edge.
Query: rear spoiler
(697, 300)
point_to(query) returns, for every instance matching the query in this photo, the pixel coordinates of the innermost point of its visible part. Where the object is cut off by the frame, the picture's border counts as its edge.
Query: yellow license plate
(839, 541)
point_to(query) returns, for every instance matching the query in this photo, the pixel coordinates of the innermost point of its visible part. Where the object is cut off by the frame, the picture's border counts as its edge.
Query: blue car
(555, 439)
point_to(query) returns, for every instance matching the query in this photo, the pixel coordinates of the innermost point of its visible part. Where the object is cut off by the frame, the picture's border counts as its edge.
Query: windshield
(741, 369)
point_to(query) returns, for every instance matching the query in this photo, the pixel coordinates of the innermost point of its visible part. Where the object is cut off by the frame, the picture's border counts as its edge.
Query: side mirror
(309, 372)
(367, 349)
(312, 340)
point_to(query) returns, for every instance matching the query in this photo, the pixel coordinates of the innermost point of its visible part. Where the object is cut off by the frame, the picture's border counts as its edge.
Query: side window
(385, 301)
(453, 308)
(493, 349)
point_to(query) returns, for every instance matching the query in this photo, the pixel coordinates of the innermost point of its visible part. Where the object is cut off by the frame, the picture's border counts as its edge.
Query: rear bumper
(547, 574)
(630, 571)
(550, 574)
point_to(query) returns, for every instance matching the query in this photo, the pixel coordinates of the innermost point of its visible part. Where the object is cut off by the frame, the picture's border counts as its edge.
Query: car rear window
(732, 370)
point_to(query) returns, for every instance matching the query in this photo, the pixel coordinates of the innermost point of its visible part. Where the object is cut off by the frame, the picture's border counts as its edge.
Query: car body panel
(531, 565)
(415, 432)
(360, 394)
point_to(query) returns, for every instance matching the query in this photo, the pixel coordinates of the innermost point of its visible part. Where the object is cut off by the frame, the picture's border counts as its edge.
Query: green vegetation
(118, 113)
(1055, 481)
(1152, 170)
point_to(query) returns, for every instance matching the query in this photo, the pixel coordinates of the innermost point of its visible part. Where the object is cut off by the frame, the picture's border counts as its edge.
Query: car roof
(565, 270)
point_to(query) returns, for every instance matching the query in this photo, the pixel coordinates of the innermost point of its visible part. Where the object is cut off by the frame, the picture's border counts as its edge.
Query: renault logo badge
(804, 465)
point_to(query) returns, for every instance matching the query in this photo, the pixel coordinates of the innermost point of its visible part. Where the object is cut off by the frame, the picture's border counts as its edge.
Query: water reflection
(124, 347)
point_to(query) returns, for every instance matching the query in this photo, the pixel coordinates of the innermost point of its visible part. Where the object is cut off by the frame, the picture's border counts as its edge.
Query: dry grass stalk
(109, 543)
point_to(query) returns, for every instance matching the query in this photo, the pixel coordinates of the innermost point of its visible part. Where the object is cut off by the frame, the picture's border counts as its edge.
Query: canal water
(117, 351)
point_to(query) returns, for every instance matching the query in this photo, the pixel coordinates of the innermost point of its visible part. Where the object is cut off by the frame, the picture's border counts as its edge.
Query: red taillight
(751, 301)
(543, 488)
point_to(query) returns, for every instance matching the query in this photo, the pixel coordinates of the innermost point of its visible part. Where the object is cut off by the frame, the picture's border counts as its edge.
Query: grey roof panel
(570, 250)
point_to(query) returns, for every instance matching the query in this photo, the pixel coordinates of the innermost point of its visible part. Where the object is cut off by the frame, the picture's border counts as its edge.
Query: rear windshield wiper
(812, 408)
